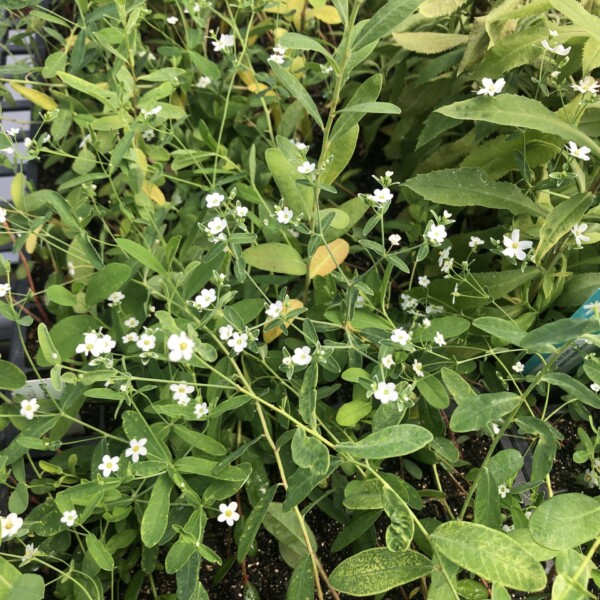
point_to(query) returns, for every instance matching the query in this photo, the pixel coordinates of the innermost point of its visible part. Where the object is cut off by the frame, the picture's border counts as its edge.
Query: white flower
(418, 368)
(279, 49)
(201, 410)
(552, 32)
(116, 298)
(578, 231)
(274, 309)
(447, 265)
(326, 68)
(146, 342)
(29, 554)
(150, 113)
(10, 525)
(131, 323)
(205, 298)
(214, 200)
(13, 131)
(394, 239)
(300, 145)
(228, 514)
(225, 332)
(595, 387)
(436, 234)
(181, 391)
(136, 449)
(71, 269)
(286, 361)
(559, 49)
(225, 41)
(277, 58)
(514, 247)
(586, 85)
(181, 347)
(2, 215)
(203, 82)
(503, 489)
(90, 345)
(132, 336)
(69, 517)
(216, 226)
(301, 356)
(388, 361)
(148, 135)
(591, 478)
(475, 241)
(238, 341)
(381, 196)
(574, 151)
(109, 464)
(401, 336)
(241, 211)
(386, 392)
(4, 289)
(489, 87)
(426, 323)
(306, 167)
(284, 215)
(172, 20)
(423, 281)
(27, 142)
(29, 408)
(518, 367)
(439, 339)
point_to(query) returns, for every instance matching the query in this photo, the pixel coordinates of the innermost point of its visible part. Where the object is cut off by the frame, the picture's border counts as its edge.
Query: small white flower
(148, 135)
(284, 215)
(225, 332)
(279, 49)
(423, 281)
(203, 82)
(301, 356)
(241, 211)
(277, 58)
(29, 408)
(181, 347)
(90, 345)
(426, 323)
(439, 339)
(225, 41)
(475, 242)
(11, 525)
(306, 167)
(286, 361)
(394, 239)
(228, 514)
(27, 142)
(29, 554)
(136, 449)
(130, 337)
(3, 214)
(172, 20)
(581, 153)
(274, 309)
(181, 391)
(116, 298)
(152, 112)
(386, 392)
(216, 226)
(503, 490)
(591, 478)
(205, 298)
(595, 387)
(13, 131)
(401, 336)
(300, 145)
(587, 85)
(146, 342)
(559, 49)
(214, 200)
(489, 87)
(238, 341)
(109, 464)
(552, 32)
(69, 517)
(418, 368)
(388, 361)
(4, 289)
(518, 367)
(201, 410)
(381, 196)
(131, 323)
(436, 234)
(70, 269)
(495, 429)
(514, 247)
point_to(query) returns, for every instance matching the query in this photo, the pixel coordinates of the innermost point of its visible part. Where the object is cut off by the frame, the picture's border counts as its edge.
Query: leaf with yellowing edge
(32, 240)
(327, 258)
(38, 98)
(154, 192)
(326, 14)
(271, 334)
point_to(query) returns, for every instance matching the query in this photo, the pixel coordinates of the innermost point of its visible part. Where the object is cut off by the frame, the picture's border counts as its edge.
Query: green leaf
(61, 295)
(307, 397)
(302, 583)
(102, 557)
(565, 521)
(389, 17)
(378, 570)
(517, 111)
(297, 41)
(579, 15)
(200, 440)
(472, 187)
(559, 222)
(575, 388)
(179, 553)
(275, 257)
(105, 96)
(382, 108)
(342, 149)
(489, 554)
(400, 531)
(429, 42)
(457, 386)
(433, 391)
(298, 197)
(297, 91)
(309, 453)
(155, 519)
(253, 523)
(29, 586)
(500, 328)
(142, 255)
(396, 440)
(351, 413)
(546, 337)
(110, 279)
(439, 8)
(11, 377)
(487, 500)
(47, 347)
(475, 413)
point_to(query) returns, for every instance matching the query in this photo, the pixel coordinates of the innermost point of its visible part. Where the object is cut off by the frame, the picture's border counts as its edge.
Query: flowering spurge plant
(289, 338)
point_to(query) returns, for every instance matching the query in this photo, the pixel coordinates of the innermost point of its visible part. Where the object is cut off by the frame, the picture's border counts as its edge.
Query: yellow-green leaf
(328, 257)
(38, 98)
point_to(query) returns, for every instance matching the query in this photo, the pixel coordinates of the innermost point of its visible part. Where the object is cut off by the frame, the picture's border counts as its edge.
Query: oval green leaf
(275, 257)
